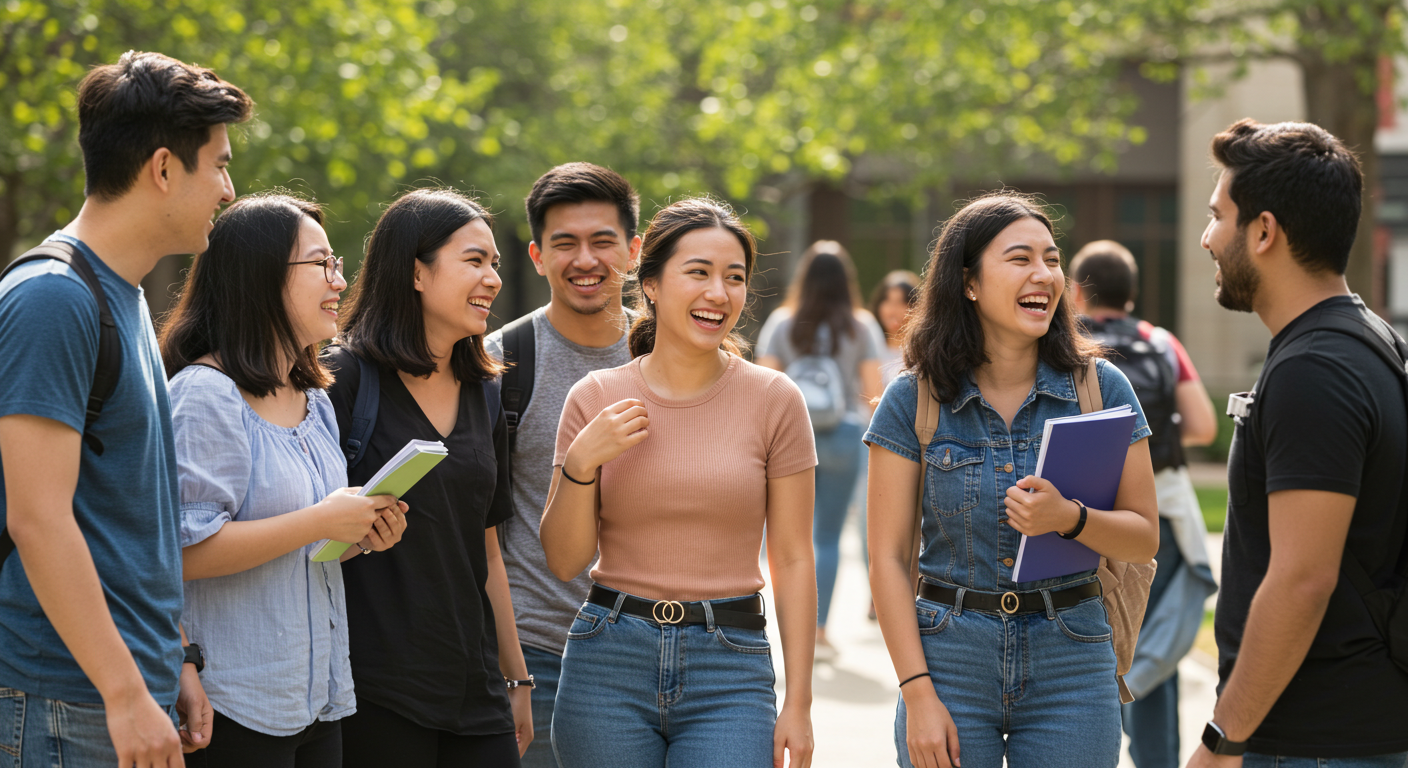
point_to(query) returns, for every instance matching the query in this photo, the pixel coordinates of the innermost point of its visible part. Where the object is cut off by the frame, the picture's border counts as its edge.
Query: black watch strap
(1217, 742)
(196, 656)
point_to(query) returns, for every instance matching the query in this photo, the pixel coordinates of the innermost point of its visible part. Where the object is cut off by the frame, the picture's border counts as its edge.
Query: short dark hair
(232, 303)
(384, 321)
(1302, 175)
(662, 239)
(1108, 273)
(146, 101)
(823, 292)
(945, 335)
(581, 183)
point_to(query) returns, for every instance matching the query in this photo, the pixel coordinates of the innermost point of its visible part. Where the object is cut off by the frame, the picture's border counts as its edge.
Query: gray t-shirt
(775, 339)
(543, 606)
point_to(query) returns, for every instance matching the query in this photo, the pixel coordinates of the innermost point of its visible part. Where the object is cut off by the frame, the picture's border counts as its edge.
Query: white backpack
(819, 378)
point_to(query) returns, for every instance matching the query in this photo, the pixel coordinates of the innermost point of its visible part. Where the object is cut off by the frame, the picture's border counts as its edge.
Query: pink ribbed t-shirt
(682, 513)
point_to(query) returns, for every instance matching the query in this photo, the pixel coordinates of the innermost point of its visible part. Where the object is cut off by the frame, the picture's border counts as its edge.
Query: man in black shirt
(1316, 470)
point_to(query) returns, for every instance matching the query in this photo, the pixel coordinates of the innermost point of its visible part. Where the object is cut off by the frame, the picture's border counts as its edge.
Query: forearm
(60, 570)
(240, 545)
(1285, 615)
(794, 589)
(894, 609)
(1119, 534)
(569, 525)
(511, 661)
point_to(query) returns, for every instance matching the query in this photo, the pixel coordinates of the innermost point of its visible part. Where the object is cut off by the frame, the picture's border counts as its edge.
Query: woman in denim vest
(991, 668)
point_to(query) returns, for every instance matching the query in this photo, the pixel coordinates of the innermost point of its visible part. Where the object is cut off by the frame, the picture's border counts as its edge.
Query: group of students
(578, 582)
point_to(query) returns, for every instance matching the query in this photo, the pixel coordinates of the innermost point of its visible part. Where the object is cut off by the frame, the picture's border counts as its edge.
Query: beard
(1240, 279)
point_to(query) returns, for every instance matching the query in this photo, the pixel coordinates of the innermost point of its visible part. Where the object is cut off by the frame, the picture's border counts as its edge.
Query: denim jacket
(973, 460)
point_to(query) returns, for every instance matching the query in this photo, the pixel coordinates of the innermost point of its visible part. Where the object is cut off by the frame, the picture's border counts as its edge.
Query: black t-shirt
(421, 626)
(1329, 418)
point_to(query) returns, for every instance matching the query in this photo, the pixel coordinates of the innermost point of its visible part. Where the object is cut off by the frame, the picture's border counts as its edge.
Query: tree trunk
(9, 217)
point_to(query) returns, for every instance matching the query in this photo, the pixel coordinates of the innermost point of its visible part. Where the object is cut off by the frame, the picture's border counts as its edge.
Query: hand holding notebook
(404, 470)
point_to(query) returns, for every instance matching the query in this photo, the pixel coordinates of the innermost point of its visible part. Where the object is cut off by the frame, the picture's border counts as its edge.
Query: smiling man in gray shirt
(583, 218)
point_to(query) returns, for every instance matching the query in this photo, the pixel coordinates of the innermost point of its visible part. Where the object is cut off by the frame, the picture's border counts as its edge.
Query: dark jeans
(376, 737)
(234, 746)
(1152, 722)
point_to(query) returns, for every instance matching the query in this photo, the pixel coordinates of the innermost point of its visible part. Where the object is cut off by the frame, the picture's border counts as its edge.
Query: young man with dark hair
(1316, 514)
(91, 658)
(1104, 280)
(583, 218)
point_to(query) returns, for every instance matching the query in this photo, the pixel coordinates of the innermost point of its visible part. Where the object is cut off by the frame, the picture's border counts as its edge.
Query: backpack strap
(926, 425)
(517, 384)
(1088, 387)
(354, 445)
(109, 362)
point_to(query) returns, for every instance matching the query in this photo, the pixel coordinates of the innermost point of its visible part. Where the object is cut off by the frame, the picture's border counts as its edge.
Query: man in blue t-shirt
(90, 599)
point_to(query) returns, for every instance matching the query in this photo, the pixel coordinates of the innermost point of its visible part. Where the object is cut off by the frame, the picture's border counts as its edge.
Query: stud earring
(972, 297)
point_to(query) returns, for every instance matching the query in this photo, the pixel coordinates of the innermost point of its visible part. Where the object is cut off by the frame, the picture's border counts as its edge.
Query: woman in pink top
(670, 466)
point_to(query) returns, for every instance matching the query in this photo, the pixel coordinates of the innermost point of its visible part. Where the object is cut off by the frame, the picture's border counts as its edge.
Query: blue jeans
(36, 732)
(1254, 760)
(1038, 689)
(1152, 721)
(546, 669)
(636, 694)
(838, 466)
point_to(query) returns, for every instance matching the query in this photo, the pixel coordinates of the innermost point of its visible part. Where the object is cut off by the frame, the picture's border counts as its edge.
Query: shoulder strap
(1088, 388)
(517, 387)
(109, 363)
(354, 444)
(926, 425)
(493, 397)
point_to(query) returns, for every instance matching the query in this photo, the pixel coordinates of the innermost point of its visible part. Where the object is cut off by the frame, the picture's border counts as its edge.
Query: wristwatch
(195, 655)
(1217, 742)
(516, 683)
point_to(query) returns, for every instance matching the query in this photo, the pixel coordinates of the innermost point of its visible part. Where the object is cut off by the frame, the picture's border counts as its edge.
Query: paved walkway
(853, 711)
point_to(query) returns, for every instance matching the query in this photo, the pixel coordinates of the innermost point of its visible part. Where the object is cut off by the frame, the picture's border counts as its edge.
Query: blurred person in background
(262, 480)
(827, 344)
(439, 672)
(1103, 288)
(894, 297)
(670, 466)
(583, 218)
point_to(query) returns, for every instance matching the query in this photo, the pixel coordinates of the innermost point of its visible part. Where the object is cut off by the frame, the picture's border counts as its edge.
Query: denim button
(1022, 446)
(1009, 562)
(948, 459)
(1007, 468)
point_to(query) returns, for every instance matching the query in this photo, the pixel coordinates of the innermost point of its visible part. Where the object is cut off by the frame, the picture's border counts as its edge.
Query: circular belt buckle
(667, 611)
(1010, 603)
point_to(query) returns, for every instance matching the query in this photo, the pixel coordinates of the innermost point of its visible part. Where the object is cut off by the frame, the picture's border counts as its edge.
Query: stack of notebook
(404, 470)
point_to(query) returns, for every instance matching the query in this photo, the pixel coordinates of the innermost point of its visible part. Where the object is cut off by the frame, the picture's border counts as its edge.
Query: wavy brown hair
(944, 341)
(824, 292)
(662, 239)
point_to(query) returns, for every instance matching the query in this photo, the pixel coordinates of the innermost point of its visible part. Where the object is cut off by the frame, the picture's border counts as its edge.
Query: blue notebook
(1083, 456)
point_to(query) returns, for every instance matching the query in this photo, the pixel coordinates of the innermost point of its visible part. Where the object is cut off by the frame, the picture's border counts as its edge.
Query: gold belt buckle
(667, 611)
(1010, 603)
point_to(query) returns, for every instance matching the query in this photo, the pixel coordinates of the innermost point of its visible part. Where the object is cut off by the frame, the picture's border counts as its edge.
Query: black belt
(1010, 603)
(744, 613)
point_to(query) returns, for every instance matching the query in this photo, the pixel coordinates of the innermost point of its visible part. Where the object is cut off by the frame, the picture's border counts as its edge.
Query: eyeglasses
(332, 266)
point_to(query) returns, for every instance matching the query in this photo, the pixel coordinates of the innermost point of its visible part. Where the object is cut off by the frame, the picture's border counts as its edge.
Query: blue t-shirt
(126, 502)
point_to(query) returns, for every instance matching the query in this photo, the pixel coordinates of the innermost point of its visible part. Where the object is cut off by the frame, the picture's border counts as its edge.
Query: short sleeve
(892, 426)
(1115, 390)
(213, 461)
(772, 339)
(501, 506)
(48, 343)
(1316, 423)
(1186, 371)
(581, 407)
(791, 442)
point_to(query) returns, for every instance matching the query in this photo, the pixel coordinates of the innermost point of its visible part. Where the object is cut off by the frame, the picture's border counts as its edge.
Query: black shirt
(420, 623)
(1330, 418)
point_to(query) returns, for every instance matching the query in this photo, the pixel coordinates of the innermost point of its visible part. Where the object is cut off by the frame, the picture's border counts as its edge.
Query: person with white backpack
(826, 343)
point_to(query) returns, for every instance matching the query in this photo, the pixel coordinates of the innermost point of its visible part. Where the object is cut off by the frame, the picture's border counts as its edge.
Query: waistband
(1008, 603)
(743, 612)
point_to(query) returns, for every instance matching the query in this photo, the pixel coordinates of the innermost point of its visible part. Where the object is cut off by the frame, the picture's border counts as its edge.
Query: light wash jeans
(1037, 689)
(1254, 760)
(36, 732)
(546, 669)
(838, 467)
(636, 694)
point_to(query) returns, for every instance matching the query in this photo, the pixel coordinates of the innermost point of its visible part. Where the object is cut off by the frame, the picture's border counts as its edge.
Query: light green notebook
(404, 470)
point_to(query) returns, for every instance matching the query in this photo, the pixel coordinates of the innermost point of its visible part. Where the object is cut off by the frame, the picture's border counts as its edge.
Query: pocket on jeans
(1085, 622)
(743, 640)
(586, 626)
(11, 725)
(932, 617)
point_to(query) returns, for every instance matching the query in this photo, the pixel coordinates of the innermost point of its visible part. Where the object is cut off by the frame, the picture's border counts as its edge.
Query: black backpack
(109, 365)
(520, 354)
(1387, 604)
(1146, 366)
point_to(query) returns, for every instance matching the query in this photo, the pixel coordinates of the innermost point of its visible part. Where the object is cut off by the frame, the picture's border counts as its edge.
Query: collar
(1049, 382)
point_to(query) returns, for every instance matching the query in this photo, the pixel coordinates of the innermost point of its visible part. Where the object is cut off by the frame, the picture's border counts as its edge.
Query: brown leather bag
(1124, 586)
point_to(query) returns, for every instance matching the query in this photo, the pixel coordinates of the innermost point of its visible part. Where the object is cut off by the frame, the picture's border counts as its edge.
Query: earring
(972, 297)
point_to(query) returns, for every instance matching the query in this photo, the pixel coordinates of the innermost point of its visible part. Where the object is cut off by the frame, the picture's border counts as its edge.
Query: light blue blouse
(275, 636)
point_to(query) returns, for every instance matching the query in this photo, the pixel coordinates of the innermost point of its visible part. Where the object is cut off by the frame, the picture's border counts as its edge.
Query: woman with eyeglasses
(262, 485)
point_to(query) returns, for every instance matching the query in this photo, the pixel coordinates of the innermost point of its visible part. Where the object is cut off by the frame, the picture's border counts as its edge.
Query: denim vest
(973, 460)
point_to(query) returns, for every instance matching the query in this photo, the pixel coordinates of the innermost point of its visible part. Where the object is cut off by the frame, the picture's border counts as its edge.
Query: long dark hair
(824, 292)
(384, 322)
(944, 343)
(662, 237)
(232, 304)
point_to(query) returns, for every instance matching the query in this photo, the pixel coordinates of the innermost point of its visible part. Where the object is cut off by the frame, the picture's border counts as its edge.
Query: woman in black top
(425, 644)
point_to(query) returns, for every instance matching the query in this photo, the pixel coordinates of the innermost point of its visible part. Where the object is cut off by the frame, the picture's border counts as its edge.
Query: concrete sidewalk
(854, 697)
